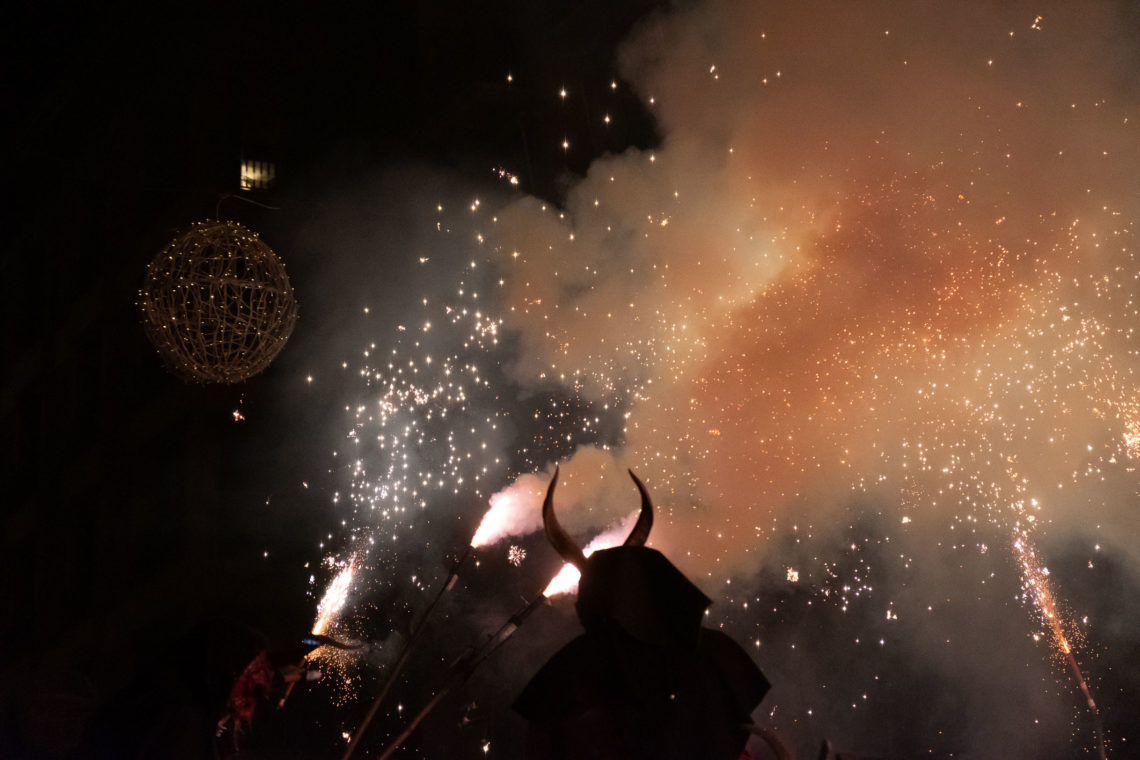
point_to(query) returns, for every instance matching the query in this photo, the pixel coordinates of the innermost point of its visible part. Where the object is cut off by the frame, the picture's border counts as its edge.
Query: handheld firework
(564, 581)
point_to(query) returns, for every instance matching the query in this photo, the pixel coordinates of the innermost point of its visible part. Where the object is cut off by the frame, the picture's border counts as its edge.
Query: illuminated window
(257, 175)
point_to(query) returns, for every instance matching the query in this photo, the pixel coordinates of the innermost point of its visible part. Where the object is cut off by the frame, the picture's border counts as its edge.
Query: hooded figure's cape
(645, 680)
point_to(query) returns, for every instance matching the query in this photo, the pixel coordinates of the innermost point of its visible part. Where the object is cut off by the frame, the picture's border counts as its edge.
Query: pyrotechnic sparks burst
(944, 397)
(332, 658)
(759, 341)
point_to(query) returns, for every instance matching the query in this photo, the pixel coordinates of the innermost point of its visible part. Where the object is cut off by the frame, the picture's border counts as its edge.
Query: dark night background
(151, 545)
(135, 586)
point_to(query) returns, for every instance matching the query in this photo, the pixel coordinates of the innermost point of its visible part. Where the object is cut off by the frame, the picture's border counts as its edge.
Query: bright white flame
(513, 512)
(566, 581)
(334, 598)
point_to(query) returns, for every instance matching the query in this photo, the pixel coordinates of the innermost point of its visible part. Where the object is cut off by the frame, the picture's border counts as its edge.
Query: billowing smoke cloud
(879, 248)
(514, 511)
(881, 262)
(866, 319)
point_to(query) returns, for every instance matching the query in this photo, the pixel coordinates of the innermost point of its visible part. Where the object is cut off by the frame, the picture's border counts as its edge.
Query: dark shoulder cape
(609, 695)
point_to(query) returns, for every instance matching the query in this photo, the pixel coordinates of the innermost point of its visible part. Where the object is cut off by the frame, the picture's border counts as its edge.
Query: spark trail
(1036, 581)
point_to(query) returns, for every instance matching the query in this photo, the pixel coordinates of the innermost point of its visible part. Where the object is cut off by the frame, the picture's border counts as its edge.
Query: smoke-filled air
(863, 321)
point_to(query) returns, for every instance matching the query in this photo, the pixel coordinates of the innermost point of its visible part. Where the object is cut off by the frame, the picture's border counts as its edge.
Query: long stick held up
(463, 669)
(405, 654)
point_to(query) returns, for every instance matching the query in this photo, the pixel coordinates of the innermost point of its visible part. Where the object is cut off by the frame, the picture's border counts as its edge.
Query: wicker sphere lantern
(217, 303)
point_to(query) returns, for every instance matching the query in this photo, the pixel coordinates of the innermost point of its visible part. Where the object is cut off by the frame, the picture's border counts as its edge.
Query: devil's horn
(557, 537)
(640, 532)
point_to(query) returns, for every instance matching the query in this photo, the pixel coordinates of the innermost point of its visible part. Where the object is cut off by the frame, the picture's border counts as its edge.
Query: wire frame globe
(217, 303)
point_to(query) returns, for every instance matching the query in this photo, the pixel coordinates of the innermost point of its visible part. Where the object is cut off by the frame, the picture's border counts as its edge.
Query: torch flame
(512, 513)
(566, 581)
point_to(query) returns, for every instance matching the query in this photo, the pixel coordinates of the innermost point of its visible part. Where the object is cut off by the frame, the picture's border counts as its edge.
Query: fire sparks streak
(334, 599)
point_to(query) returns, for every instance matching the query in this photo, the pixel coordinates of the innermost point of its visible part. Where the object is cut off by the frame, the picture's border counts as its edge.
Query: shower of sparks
(987, 384)
(425, 431)
(425, 439)
(333, 659)
(506, 175)
(942, 401)
(913, 338)
(418, 423)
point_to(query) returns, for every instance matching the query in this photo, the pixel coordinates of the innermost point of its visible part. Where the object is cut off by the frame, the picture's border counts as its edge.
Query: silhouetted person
(645, 680)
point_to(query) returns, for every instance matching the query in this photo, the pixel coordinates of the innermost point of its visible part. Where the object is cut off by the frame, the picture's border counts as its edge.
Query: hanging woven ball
(217, 303)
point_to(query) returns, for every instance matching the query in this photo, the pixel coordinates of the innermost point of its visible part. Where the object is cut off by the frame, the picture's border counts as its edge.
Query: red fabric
(252, 685)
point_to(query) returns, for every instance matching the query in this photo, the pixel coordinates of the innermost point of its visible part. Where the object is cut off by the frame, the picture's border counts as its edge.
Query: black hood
(640, 591)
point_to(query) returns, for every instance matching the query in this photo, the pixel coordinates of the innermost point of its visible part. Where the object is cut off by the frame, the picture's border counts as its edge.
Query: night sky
(853, 289)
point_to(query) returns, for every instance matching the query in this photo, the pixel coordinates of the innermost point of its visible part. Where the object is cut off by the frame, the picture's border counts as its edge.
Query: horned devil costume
(645, 680)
